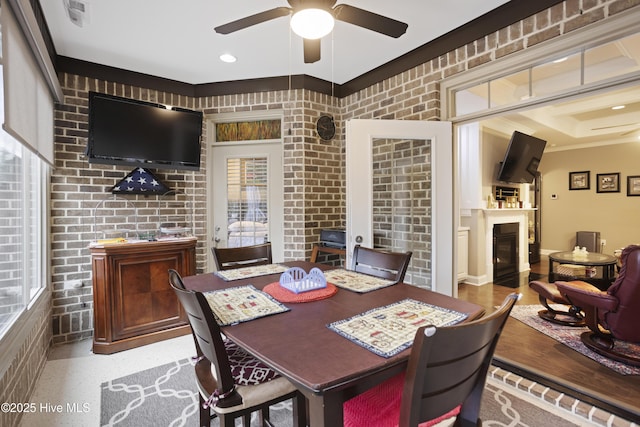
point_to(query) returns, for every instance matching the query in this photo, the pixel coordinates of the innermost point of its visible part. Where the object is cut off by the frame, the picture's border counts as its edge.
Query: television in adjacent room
(522, 159)
(128, 132)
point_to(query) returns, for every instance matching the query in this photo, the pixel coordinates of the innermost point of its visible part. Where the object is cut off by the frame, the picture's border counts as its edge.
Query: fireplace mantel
(503, 216)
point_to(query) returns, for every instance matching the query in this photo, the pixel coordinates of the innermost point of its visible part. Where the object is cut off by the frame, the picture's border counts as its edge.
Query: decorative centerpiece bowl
(580, 253)
(297, 280)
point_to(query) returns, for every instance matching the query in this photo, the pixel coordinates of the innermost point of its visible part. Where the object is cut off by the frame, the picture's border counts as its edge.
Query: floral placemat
(255, 271)
(356, 282)
(388, 330)
(241, 304)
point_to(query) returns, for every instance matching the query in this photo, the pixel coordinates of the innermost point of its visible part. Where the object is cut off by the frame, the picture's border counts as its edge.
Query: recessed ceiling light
(618, 107)
(559, 60)
(227, 57)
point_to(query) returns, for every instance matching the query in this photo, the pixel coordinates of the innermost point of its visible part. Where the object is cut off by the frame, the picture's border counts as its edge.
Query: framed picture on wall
(579, 180)
(608, 182)
(633, 186)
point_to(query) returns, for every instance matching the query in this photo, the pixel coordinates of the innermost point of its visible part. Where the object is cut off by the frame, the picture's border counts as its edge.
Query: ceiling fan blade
(372, 21)
(248, 21)
(311, 50)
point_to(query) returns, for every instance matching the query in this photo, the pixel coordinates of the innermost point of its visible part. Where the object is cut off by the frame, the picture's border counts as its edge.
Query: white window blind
(247, 208)
(29, 89)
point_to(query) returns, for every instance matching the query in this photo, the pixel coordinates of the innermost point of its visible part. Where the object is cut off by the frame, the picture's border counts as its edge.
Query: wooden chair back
(244, 256)
(207, 337)
(215, 375)
(380, 263)
(448, 366)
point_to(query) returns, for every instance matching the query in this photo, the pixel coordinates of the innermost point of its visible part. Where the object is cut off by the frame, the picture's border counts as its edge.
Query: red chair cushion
(246, 369)
(380, 406)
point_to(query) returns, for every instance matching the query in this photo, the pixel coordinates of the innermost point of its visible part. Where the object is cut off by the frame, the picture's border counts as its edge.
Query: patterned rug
(570, 336)
(166, 396)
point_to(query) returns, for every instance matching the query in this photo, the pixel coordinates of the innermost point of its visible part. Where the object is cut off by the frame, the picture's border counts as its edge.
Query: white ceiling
(586, 122)
(174, 39)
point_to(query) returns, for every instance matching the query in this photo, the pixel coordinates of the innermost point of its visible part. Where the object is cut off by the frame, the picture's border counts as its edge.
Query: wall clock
(326, 127)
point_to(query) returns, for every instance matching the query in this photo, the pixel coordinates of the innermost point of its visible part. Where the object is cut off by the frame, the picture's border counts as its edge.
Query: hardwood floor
(533, 355)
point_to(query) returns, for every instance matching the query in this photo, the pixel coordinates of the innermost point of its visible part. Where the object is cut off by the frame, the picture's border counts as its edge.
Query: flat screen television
(522, 159)
(127, 132)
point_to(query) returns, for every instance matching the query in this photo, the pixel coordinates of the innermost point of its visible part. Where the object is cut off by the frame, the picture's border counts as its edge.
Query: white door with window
(246, 196)
(400, 180)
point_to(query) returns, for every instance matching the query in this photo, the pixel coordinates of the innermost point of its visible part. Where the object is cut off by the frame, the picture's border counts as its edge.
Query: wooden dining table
(326, 367)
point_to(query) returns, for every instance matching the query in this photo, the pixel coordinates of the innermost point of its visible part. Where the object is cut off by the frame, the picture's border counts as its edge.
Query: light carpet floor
(166, 396)
(74, 375)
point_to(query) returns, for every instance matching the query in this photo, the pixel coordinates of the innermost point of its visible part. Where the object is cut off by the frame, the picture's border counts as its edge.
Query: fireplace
(493, 217)
(505, 251)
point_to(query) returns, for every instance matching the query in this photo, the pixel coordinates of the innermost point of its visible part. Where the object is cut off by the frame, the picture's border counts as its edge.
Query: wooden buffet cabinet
(133, 303)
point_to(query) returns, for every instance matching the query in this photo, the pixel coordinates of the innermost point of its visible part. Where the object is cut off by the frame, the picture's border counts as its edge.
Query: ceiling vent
(77, 11)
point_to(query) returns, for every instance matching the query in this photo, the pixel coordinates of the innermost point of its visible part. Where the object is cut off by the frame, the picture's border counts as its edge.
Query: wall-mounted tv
(127, 132)
(522, 158)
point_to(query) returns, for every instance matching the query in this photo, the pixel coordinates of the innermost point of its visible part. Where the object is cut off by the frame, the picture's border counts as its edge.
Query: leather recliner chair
(612, 315)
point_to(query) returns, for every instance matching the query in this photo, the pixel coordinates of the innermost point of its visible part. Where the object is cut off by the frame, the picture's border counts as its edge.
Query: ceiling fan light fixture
(312, 23)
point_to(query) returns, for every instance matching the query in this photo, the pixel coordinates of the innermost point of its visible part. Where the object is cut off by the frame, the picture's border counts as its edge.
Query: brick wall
(19, 379)
(415, 93)
(313, 169)
(402, 203)
(83, 208)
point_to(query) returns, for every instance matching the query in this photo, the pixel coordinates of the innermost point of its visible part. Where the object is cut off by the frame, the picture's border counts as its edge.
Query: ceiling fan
(342, 12)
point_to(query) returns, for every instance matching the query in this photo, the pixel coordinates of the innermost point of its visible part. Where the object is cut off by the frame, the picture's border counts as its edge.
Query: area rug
(166, 396)
(570, 336)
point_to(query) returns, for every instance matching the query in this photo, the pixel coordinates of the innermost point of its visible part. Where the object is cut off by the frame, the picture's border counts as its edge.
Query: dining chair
(445, 377)
(231, 382)
(380, 263)
(327, 251)
(243, 256)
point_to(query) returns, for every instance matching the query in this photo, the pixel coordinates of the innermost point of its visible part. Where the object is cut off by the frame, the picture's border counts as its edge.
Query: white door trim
(359, 134)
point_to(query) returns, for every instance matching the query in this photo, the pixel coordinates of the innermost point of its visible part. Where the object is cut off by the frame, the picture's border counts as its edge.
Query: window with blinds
(247, 207)
(23, 226)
